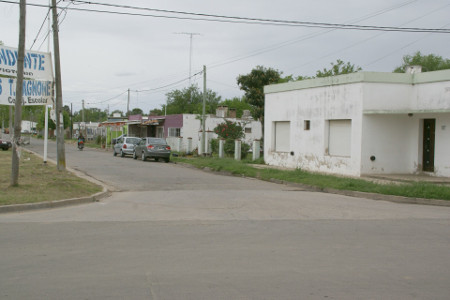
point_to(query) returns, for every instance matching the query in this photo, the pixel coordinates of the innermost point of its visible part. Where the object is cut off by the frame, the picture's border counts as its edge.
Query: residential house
(361, 123)
(183, 131)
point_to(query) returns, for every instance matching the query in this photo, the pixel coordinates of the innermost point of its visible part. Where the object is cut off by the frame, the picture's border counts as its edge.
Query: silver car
(125, 145)
(151, 147)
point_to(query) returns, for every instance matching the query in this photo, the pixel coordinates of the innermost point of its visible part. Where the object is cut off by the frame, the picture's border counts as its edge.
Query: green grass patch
(39, 182)
(414, 190)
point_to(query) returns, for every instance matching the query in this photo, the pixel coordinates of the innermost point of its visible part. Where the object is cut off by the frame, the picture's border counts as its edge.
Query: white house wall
(393, 141)
(442, 146)
(192, 129)
(386, 110)
(309, 147)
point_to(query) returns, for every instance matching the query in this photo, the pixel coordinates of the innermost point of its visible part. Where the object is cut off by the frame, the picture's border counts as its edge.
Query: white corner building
(361, 123)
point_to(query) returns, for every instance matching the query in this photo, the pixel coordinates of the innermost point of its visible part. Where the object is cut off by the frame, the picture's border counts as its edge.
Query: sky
(105, 54)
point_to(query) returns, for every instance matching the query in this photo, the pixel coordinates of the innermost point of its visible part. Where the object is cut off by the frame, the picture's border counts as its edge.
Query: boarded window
(339, 137)
(282, 136)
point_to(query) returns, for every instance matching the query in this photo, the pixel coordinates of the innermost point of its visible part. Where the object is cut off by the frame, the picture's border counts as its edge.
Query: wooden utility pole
(18, 104)
(60, 150)
(202, 146)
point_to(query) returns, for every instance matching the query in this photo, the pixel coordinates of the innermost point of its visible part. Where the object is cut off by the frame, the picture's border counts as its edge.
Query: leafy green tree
(253, 86)
(430, 62)
(90, 115)
(136, 111)
(157, 111)
(190, 101)
(338, 68)
(51, 124)
(117, 111)
(240, 104)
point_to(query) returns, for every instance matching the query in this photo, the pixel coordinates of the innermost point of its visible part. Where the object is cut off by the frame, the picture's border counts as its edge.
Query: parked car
(125, 145)
(151, 147)
(5, 145)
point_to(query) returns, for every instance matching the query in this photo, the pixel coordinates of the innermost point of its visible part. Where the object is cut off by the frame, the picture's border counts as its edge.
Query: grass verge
(39, 182)
(413, 190)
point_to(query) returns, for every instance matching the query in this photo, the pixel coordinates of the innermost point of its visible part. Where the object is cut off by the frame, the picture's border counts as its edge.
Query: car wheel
(134, 155)
(143, 156)
(166, 160)
(156, 159)
(114, 152)
(122, 154)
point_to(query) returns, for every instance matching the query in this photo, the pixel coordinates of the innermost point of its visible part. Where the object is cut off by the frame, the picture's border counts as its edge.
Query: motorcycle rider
(80, 140)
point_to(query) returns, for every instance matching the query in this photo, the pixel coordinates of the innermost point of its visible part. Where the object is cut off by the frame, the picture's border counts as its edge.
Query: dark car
(151, 147)
(5, 145)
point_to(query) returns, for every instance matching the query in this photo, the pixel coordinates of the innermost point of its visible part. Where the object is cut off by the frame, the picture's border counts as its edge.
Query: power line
(239, 20)
(248, 20)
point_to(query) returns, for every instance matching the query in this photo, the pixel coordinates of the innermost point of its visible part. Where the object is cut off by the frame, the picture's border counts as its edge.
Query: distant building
(188, 127)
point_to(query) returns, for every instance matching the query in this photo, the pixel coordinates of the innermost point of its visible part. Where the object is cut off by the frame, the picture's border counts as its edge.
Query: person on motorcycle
(80, 140)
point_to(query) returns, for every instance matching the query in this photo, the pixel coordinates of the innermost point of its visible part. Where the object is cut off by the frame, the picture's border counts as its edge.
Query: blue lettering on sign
(34, 61)
(11, 82)
(36, 88)
(8, 57)
(0, 86)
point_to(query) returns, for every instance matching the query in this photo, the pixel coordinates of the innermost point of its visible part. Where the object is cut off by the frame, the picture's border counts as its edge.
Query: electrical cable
(244, 20)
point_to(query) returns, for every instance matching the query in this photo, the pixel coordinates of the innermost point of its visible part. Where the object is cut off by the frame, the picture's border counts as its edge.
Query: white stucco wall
(309, 147)
(394, 142)
(192, 127)
(442, 146)
(387, 112)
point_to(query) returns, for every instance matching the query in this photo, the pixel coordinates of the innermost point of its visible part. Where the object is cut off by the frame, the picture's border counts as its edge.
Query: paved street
(172, 232)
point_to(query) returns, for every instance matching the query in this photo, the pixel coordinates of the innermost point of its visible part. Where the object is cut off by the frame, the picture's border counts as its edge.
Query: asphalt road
(171, 232)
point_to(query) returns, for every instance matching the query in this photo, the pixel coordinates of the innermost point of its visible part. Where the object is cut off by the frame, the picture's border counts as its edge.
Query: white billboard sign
(37, 65)
(34, 92)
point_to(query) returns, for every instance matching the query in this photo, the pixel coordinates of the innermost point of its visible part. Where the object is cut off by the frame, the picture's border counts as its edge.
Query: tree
(338, 68)
(90, 115)
(190, 101)
(253, 86)
(430, 62)
(51, 125)
(136, 111)
(240, 104)
(157, 111)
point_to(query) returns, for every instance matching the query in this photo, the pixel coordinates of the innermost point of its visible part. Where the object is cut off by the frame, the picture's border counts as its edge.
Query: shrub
(229, 130)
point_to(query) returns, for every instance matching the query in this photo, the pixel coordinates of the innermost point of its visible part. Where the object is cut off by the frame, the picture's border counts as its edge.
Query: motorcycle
(80, 145)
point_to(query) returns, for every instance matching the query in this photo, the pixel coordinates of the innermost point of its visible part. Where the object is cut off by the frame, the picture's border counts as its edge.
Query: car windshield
(156, 141)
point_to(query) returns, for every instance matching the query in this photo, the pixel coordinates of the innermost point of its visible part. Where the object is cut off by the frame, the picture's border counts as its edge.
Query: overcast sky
(103, 55)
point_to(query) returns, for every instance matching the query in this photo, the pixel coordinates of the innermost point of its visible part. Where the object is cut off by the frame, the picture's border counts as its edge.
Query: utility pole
(203, 113)
(18, 104)
(60, 150)
(71, 121)
(128, 103)
(82, 111)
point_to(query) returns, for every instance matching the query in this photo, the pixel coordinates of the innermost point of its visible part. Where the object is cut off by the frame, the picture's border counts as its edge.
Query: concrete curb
(59, 203)
(372, 196)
